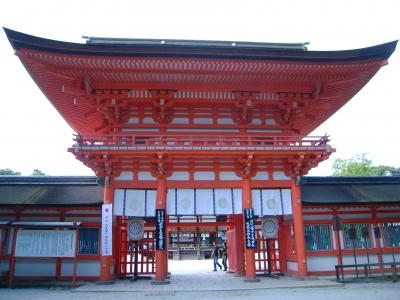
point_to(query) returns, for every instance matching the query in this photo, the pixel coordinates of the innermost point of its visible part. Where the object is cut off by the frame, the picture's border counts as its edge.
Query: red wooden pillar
(106, 262)
(239, 245)
(249, 253)
(282, 245)
(162, 255)
(300, 245)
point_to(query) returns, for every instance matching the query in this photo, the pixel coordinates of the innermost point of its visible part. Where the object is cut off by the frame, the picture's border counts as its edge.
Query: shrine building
(195, 142)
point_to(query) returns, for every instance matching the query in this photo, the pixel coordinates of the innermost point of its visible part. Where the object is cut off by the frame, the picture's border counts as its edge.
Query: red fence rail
(200, 140)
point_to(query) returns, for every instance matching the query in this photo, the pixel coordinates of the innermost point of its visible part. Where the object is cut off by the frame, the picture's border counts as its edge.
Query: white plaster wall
(179, 176)
(86, 212)
(124, 176)
(148, 120)
(261, 176)
(180, 121)
(387, 215)
(256, 121)
(35, 267)
(389, 257)
(225, 121)
(202, 121)
(279, 175)
(361, 259)
(317, 217)
(139, 130)
(229, 176)
(146, 176)
(270, 122)
(356, 216)
(292, 266)
(40, 219)
(133, 120)
(321, 263)
(203, 175)
(83, 268)
(83, 219)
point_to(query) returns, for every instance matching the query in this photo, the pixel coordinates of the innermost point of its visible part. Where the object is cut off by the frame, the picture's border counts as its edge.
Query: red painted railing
(200, 140)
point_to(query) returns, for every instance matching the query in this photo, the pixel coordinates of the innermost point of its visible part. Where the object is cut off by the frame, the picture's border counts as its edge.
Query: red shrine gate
(199, 116)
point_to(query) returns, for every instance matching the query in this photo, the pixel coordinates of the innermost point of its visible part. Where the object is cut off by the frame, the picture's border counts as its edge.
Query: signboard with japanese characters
(160, 229)
(45, 243)
(106, 230)
(250, 228)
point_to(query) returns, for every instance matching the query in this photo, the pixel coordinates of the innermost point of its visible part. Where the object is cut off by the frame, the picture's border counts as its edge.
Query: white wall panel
(124, 176)
(228, 176)
(35, 267)
(321, 263)
(179, 176)
(146, 176)
(83, 268)
(292, 266)
(203, 175)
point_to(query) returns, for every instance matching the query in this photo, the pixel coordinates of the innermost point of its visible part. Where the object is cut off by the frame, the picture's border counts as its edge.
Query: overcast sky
(34, 135)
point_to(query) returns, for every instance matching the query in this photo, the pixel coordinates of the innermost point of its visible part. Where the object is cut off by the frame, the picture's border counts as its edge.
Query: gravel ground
(203, 283)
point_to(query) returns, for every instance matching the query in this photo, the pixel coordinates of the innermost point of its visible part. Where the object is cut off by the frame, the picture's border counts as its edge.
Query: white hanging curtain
(185, 202)
(256, 197)
(271, 202)
(204, 202)
(223, 201)
(192, 202)
(171, 202)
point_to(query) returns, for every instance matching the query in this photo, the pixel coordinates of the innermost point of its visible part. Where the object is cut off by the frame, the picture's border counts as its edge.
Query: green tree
(37, 172)
(360, 165)
(8, 171)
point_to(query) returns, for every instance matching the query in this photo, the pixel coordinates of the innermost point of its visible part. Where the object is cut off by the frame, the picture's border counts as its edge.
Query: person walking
(225, 256)
(214, 255)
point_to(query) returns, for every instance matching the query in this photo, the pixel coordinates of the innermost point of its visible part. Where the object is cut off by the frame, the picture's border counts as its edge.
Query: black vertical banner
(250, 228)
(160, 229)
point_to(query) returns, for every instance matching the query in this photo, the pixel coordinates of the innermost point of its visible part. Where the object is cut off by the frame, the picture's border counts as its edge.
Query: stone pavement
(189, 276)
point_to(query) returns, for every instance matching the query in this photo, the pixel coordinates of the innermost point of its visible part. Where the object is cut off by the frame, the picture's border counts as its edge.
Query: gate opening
(190, 244)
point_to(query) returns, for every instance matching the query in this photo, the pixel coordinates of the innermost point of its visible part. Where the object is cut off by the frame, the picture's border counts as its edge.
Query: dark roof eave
(27, 206)
(332, 180)
(20, 40)
(349, 204)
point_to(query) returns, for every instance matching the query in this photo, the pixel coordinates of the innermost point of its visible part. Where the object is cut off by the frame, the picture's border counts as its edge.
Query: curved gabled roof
(64, 70)
(197, 49)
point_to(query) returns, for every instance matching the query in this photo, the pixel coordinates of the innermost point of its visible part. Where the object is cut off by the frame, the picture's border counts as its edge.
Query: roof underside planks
(57, 66)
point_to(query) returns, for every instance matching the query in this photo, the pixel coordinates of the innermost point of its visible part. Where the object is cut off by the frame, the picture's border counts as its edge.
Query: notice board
(45, 243)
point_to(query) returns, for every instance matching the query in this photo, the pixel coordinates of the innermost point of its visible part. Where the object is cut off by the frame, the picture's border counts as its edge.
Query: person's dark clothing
(214, 255)
(225, 257)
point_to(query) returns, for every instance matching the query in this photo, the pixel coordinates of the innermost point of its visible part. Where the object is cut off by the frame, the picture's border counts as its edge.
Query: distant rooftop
(343, 190)
(48, 180)
(50, 191)
(193, 43)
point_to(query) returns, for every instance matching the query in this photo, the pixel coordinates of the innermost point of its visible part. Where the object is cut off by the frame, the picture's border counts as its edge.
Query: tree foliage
(360, 165)
(8, 171)
(37, 172)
